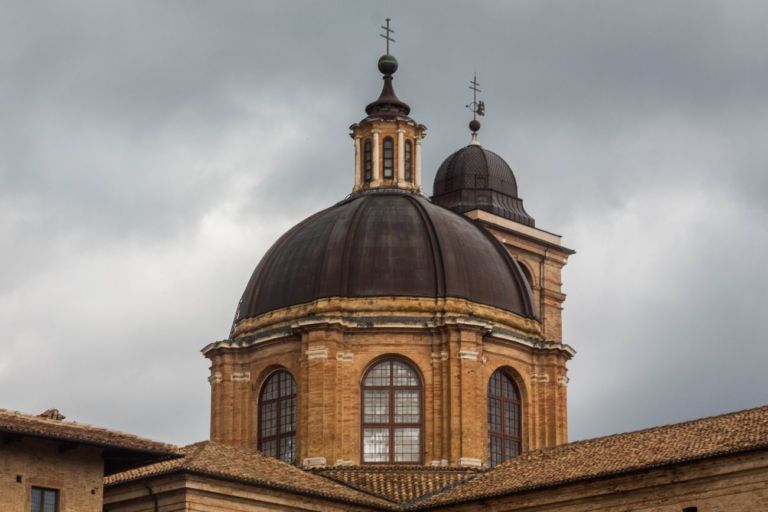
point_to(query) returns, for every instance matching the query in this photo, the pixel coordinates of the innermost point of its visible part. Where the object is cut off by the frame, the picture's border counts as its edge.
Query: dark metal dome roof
(474, 178)
(386, 243)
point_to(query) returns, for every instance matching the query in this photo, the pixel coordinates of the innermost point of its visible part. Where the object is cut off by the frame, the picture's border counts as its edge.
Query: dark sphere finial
(474, 125)
(387, 64)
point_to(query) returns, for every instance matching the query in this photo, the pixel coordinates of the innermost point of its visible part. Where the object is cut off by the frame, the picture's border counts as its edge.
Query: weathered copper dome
(474, 178)
(386, 243)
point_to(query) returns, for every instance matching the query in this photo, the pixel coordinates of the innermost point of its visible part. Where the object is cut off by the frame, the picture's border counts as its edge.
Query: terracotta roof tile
(399, 484)
(617, 454)
(16, 423)
(249, 466)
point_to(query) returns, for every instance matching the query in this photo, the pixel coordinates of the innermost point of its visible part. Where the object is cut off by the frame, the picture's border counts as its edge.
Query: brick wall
(328, 363)
(77, 473)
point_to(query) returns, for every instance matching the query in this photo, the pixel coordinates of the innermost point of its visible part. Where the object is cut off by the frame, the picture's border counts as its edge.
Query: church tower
(391, 329)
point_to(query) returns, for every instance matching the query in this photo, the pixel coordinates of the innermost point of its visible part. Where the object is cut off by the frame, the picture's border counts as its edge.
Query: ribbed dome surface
(474, 178)
(386, 243)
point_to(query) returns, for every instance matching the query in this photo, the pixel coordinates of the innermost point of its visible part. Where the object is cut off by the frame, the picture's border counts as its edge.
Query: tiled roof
(614, 455)
(398, 483)
(249, 466)
(412, 488)
(46, 427)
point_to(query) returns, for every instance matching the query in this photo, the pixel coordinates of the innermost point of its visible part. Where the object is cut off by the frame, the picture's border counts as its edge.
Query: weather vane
(476, 107)
(387, 34)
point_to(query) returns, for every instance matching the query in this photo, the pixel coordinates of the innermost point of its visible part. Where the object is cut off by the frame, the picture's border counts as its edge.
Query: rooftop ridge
(566, 463)
(69, 430)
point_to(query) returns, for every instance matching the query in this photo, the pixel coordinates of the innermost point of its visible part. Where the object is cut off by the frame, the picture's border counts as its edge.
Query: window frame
(367, 161)
(408, 165)
(518, 404)
(388, 173)
(56, 498)
(278, 436)
(391, 426)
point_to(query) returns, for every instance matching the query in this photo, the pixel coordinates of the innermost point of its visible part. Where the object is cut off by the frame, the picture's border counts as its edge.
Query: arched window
(277, 417)
(391, 424)
(504, 420)
(367, 161)
(388, 157)
(408, 161)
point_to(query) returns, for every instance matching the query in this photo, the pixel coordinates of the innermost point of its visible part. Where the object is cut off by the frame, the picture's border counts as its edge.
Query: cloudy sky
(150, 152)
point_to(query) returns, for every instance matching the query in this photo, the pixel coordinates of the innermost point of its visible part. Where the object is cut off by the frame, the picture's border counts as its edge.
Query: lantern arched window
(388, 158)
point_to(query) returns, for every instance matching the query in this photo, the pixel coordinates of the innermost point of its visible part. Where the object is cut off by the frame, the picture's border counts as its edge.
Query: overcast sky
(150, 153)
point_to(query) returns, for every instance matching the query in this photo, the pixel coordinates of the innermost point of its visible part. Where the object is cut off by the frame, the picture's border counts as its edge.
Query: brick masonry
(77, 473)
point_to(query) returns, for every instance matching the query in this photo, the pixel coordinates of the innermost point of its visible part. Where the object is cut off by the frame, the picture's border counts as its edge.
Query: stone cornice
(405, 312)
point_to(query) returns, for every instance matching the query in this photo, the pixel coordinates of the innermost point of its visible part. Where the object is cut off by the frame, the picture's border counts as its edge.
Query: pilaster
(400, 167)
(376, 175)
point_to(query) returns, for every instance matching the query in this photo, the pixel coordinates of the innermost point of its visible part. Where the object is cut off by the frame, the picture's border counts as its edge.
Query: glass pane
(508, 388)
(403, 375)
(407, 444)
(49, 500)
(272, 387)
(37, 500)
(269, 419)
(287, 415)
(376, 406)
(494, 385)
(287, 385)
(511, 419)
(269, 448)
(494, 450)
(379, 375)
(494, 415)
(287, 453)
(407, 409)
(512, 449)
(376, 445)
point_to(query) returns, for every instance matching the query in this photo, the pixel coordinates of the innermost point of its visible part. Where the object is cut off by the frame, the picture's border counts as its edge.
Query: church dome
(386, 243)
(474, 178)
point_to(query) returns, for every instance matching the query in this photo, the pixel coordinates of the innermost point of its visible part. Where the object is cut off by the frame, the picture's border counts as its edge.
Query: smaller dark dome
(474, 178)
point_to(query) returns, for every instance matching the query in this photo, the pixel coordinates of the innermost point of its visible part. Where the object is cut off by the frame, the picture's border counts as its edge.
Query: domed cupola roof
(386, 243)
(474, 178)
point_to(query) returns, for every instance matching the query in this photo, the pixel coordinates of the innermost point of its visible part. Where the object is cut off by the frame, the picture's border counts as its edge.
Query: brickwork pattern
(76, 473)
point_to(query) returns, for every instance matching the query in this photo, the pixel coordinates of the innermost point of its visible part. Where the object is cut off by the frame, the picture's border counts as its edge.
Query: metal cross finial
(476, 107)
(386, 34)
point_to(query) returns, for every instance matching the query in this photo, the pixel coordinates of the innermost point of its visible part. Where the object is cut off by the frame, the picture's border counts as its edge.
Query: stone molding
(313, 462)
(243, 376)
(345, 356)
(316, 353)
(470, 462)
(352, 312)
(439, 356)
(469, 355)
